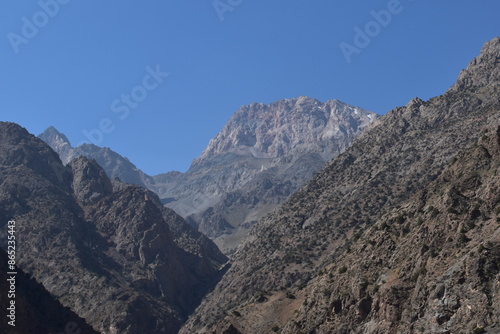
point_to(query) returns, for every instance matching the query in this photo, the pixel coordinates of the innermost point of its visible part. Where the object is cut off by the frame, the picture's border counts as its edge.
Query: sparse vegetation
(406, 229)
(407, 221)
(421, 271)
(433, 211)
(462, 238)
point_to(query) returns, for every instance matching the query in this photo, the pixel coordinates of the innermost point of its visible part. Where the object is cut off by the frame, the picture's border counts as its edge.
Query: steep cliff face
(261, 156)
(288, 128)
(103, 248)
(402, 153)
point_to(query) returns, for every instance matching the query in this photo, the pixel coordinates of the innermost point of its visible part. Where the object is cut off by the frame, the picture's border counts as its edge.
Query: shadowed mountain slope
(109, 251)
(36, 310)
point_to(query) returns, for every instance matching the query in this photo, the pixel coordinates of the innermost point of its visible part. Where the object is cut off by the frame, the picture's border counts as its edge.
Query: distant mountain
(108, 250)
(115, 165)
(398, 234)
(262, 155)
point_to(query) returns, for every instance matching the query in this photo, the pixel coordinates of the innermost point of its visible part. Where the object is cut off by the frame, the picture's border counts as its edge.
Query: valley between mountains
(262, 155)
(300, 216)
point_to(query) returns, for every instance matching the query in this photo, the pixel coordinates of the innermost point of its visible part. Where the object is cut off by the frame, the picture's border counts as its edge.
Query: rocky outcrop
(90, 183)
(276, 269)
(103, 248)
(483, 70)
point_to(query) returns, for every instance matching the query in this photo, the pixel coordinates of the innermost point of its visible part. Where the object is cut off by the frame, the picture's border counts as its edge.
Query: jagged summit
(260, 157)
(113, 163)
(285, 127)
(483, 70)
(51, 133)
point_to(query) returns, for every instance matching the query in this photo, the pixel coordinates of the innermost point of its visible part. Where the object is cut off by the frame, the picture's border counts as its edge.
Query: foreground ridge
(109, 251)
(289, 262)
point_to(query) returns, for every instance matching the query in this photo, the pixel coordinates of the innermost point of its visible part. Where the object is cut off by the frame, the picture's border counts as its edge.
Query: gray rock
(366, 241)
(104, 249)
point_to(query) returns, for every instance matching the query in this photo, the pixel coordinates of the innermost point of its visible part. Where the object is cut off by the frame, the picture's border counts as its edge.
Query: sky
(156, 80)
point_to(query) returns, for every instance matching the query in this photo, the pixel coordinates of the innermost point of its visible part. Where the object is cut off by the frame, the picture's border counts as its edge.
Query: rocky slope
(277, 268)
(261, 156)
(36, 310)
(431, 265)
(109, 251)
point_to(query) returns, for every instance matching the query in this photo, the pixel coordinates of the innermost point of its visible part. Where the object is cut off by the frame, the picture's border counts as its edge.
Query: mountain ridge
(402, 152)
(438, 250)
(259, 158)
(79, 232)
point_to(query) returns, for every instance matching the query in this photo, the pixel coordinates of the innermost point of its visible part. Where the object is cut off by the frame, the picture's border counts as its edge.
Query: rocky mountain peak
(58, 142)
(260, 157)
(24, 150)
(113, 163)
(482, 70)
(286, 127)
(416, 102)
(53, 135)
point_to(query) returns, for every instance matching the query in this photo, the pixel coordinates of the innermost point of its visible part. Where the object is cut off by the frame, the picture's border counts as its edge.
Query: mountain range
(262, 155)
(398, 233)
(109, 251)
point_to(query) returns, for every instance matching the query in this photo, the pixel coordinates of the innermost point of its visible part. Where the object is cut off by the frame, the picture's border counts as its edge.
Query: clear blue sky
(88, 53)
